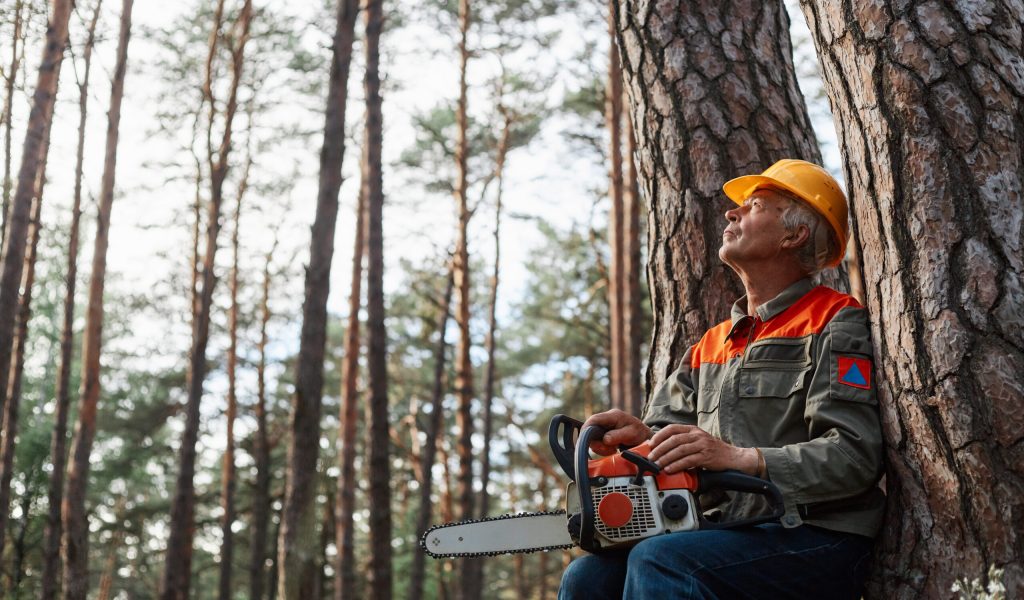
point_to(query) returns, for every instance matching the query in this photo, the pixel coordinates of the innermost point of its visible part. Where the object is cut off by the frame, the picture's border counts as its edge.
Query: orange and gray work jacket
(796, 381)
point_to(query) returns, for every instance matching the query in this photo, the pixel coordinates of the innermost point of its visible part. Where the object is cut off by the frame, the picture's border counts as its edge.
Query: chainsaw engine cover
(626, 513)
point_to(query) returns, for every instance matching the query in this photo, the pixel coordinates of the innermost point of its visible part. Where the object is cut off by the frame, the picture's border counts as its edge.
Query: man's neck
(763, 285)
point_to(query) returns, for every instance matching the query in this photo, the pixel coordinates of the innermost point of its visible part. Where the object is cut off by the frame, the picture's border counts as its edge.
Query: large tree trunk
(713, 94)
(261, 451)
(296, 548)
(615, 287)
(8, 111)
(929, 105)
(227, 548)
(345, 565)
(178, 558)
(373, 191)
(429, 453)
(75, 545)
(62, 398)
(35, 140)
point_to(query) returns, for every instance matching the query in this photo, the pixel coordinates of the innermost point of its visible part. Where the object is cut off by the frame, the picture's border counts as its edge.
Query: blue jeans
(766, 561)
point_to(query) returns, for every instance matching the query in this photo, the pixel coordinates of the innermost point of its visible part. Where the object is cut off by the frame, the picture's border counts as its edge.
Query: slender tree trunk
(345, 566)
(327, 531)
(8, 112)
(58, 444)
(632, 323)
(116, 539)
(10, 414)
(297, 554)
(178, 559)
(463, 363)
(428, 456)
(616, 266)
(713, 97)
(17, 227)
(261, 490)
(373, 191)
(928, 106)
(227, 549)
(75, 545)
(476, 569)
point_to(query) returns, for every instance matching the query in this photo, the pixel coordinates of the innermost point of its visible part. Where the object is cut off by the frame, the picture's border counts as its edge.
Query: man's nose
(732, 215)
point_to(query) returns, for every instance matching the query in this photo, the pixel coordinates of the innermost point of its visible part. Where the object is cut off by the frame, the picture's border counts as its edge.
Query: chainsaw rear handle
(735, 481)
(562, 434)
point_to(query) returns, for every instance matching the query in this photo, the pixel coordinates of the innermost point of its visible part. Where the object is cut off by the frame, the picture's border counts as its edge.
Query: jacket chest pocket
(775, 368)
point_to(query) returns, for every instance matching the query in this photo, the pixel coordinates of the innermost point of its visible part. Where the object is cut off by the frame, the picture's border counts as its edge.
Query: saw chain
(426, 534)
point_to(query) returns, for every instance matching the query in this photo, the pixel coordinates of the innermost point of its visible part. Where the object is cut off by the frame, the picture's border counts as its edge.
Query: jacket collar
(773, 307)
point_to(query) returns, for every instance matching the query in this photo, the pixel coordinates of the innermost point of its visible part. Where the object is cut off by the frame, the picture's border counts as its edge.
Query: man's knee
(593, 576)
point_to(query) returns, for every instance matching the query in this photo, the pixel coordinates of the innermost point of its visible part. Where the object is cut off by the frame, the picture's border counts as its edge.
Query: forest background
(221, 127)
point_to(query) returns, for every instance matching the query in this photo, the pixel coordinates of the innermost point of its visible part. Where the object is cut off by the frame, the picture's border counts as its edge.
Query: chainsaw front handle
(735, 481)
(562, 434)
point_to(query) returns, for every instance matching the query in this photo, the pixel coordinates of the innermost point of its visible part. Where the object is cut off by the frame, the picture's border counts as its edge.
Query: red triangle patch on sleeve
(855, 372)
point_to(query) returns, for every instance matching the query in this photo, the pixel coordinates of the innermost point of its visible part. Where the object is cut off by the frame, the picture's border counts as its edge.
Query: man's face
(755, 232)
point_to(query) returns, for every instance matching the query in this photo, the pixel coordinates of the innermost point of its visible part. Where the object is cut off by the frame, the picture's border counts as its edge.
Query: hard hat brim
(741, 188)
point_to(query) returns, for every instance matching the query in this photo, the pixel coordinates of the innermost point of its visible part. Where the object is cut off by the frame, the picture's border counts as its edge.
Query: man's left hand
(679, 447)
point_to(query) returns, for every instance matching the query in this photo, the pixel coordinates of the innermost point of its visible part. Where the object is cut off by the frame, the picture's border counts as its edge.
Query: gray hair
(821, 244)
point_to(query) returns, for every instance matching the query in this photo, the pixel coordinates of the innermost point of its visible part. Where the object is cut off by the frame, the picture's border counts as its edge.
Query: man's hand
(620, 428)
(679, 447)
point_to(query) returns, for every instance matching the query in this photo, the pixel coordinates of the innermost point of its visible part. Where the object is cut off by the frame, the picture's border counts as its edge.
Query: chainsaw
(611, 503)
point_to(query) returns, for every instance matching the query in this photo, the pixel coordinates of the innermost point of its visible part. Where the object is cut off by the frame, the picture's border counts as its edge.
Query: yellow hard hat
(808, 182)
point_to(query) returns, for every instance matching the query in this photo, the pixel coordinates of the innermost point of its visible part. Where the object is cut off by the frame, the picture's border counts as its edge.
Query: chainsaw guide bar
(522, 533)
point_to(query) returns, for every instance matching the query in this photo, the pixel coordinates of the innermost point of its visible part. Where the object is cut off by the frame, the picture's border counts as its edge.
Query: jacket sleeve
(843, 455)
(675, 400)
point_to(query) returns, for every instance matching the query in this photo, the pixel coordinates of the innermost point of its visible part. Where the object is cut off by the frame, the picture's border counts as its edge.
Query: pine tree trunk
(345, 565)
(58, 444)
(373, 190)
(615, 287)
(227, 493)
(261, 451)
(16, 231)
(13, 395)
(632, 324)
(713, 97)
(178, 559)
(928, 107)
(296, 547)
(463, 364)
(428, 456)
(75, 543)
(8, 111)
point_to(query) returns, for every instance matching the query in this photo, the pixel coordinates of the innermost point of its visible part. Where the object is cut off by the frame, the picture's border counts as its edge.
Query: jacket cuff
(781, 472)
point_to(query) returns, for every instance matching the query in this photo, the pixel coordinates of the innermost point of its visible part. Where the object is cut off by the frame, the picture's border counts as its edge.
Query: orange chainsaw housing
(618, 466)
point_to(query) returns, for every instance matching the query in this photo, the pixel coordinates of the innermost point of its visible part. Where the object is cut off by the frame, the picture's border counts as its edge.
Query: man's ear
(796, 238)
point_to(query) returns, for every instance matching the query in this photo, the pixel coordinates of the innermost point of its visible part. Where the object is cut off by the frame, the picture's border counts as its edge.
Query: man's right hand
(621, 428)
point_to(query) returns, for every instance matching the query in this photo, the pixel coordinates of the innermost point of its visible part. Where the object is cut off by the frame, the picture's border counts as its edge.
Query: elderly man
(784, 391)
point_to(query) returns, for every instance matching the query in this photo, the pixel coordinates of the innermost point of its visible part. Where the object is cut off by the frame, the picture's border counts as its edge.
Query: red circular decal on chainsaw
(615, 509)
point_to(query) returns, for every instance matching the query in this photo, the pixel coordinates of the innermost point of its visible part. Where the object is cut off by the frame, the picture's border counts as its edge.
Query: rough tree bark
(75, 543)
(713, 93)
(348, 418)
(261, 449)
(463, 363)
(615, 287)
(296, 546)
(429, 454)
(178, 559)
(62, 397)
(929, 106)
(227, 490)
(16, 231)
(376, 351)
(10, 78)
